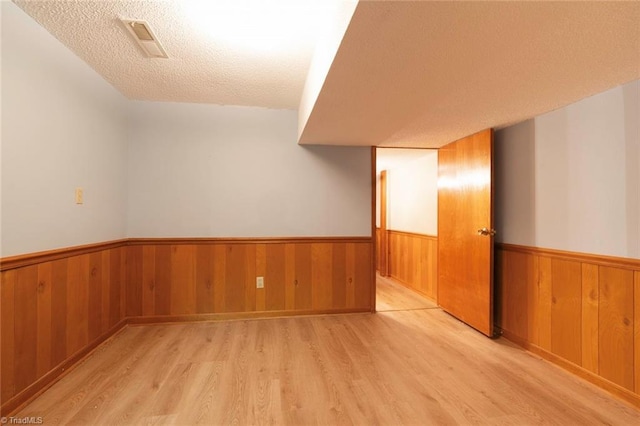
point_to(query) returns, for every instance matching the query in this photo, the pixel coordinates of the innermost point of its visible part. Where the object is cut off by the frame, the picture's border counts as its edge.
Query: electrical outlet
(260, 282)
(79, 196)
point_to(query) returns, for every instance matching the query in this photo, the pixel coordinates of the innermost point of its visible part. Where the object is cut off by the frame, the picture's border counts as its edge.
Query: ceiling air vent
(145, 38)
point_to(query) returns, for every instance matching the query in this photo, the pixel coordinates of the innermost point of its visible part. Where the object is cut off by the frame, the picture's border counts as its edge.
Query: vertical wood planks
(290, 277)
(77, 303)
(413, 260)
(275, 283)
(588, 312)
(321, 275)
(162, 279)
(351, 272)
(362, 276)
(219, 267)
(302, 281)
(105, 285)
(636, 334)
(94, 324)
(59, 272)
(250, 302)
(615, 355)
(517, 269)
(26, 328)
(183, 290)
(261, 271)
(7, 334)
(545, 295)
(52, 310)
(204, 279)
(235, 278)
(44, 318)
(339, 277)
(566, 309)
(134, 264)
(590, 296)
(148, 283)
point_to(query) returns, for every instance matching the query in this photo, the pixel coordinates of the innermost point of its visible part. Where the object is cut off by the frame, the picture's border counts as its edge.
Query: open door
(465, 230)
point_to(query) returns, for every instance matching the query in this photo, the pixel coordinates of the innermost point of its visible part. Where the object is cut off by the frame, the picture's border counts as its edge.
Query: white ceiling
(412, 74)
(422, 74)
(237, 52)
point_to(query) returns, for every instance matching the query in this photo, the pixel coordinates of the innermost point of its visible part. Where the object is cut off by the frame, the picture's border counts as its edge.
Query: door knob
(487, 231)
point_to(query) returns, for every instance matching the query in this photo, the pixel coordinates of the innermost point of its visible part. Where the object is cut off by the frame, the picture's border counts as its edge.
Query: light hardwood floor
(393, 296)
(414, 367)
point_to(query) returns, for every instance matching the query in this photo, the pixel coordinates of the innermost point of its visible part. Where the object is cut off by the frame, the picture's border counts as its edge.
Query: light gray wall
(570, 179)
(62, 127)
(221, 171)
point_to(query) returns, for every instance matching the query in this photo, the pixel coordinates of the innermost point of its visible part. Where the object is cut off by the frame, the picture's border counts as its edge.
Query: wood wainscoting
(580, 311)
(57, 306)
(180, 279)
(413, 261)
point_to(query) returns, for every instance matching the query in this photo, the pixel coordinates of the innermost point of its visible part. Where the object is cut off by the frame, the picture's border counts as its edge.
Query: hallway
(392, 296)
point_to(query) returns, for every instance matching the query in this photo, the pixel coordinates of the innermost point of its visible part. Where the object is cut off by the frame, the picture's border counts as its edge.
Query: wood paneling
(566, 309)
(590, 319)
(53, 313)
(7, 336)
(413, 261)
(586, 312)
(13, 262)
(218, 278)
(636, 330)
(615, 330)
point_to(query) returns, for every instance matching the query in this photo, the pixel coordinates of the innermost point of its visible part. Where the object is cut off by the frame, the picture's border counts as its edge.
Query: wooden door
(465, 230)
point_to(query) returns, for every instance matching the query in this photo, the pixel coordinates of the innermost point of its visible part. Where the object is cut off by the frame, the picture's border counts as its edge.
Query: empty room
(321, 212)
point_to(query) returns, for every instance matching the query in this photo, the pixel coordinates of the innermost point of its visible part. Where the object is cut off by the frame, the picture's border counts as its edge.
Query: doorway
(456, 271)
(406, 228)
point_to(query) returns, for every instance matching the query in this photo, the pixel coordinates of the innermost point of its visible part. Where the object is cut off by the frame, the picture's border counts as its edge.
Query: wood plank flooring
(412, 367)
(393, 296)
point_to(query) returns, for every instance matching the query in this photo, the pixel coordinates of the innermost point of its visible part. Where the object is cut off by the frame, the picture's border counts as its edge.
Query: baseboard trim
(34, 390)
(587, 375)
(165, 319)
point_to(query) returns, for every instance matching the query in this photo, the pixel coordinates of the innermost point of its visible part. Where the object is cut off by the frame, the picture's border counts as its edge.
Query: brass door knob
(487, 231)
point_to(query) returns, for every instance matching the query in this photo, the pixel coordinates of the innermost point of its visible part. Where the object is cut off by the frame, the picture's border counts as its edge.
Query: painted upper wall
(219, 171)
(570, 179)
(62, 127)
(412, 190)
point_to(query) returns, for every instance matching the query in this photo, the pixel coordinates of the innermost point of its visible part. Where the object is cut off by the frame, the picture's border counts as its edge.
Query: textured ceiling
(422, 74)
(412, 74)
(215, 54)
